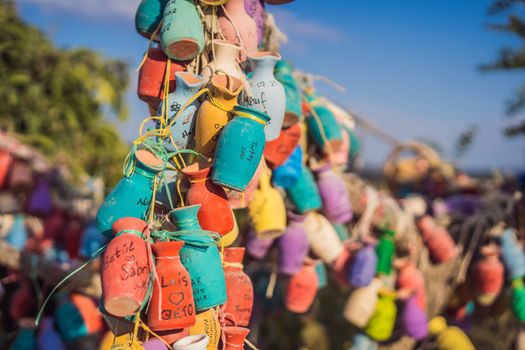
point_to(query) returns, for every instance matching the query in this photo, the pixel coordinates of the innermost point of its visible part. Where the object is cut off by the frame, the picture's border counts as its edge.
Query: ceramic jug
(288, 174)
(361, 304)
(336, 200)
(234, 337)
(69, 321)
(172, 304)
(363, 267)
(449, 337)
(257, 247)
(409, 278)
(200, 256)
(215, 213)
(255, 9)
(512, 255)
(322, 277)
(148, 16)
(293, 245)
(322, 125)
(518, 299)
(192, 342)
(414, 319)
(276, 152)
(215, 112)
(182, 123)
(5, 162)
(230, 238)
(181, 31)
(225, 60)
(25, 338)
(342, 231)
(150, 87)
(40, 202)
(89, 312)
(304, 194)
(48, 338)
(294, 111)
(22, 303)
(238, 287)
(385, 250)
(437, 240)
(240, 148)
(238, 27)
(153, 344)
(131, 197)
(362, 342)
(208, 323)
(17, 236)
(302, 288)
(20, 177)
(239, 200)
(322, 237)
(267, 210)
(125, 268)
(267, 94)
(381, 324)
(341, 265)
(92, 240)
(488, 275)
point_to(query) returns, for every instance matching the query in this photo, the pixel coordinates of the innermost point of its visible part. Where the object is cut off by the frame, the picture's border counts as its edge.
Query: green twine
(198, 239)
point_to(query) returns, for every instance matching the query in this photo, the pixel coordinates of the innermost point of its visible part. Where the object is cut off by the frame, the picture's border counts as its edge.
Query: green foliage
(511, 58)
(465, 141)
(57, 99)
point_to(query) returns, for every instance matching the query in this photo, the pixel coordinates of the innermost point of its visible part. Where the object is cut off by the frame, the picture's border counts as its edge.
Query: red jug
(489, 275)
(411, 279)
(125, 268)
(172, 304)
(234, 337)
(437, 240)
(5, 163)
(302, 288)
(279, 150)
(238, 287)
(215, 213)
(152, 73)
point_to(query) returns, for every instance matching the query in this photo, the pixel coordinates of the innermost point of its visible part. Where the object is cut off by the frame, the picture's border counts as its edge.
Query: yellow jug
(208, 323)
(381, 324)
(228, 239)
(267, 210)
(215, 112)
(449, 338)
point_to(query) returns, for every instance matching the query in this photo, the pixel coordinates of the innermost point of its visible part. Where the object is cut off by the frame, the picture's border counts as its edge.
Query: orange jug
(437, 240)
(489, 275)
(234, 337)
(238, 287)
(302, 288)
(279, 150)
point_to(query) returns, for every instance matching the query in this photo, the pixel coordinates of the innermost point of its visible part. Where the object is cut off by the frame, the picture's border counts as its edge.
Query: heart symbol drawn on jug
(174, 296)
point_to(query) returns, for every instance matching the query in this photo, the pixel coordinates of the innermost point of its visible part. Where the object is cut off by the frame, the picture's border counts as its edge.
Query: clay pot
(336, 200)
(255, 9)
(230, 238)
(239, 200)
(18, 235)
(284, 74)
(414, 319)
(322, 125)
(5, 162)
(304, 194)
(302, 288)
(293, 245)
(172, 304)
(361, 304)
(437, 240)
(322, 237)
(48, 337)
(385, 250)
(267, 210)
(276, 152)
(215, 213)
(153, 344)
(239, 20)
(238, 287)
(225, 60)
(512, 255)
(362, 342)
(258, 247)
(150, 87)
(488, 275)
(148, 16)
(207, 322)
(410, 278)
(20, 177)
(125, 268)
(215, 112)
(518, 299)
(363, 267)
(22, 303)
(448, 336)
(41, 202)
(288, 174)
(234, 337)
(381, 324)
(240, 149)
(192, 342)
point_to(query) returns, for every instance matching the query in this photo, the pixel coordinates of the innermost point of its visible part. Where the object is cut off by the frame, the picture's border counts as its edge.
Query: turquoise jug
(284, 74)
(304, 194)
(325, 122)
(17, 237)
(148, 16)
(240, 148)
(362, 342)
(267, 94)
(512, 255)
(320, 270)
(25, 339)
(91, 240)
(182, 123)
(132, 195)
(342, 231)
(181, 32)
(69, 321)
(287, 174)
(200, 256)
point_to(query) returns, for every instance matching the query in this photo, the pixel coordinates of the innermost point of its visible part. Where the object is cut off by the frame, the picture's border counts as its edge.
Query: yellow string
(179, 191)
(249, 116)
(149, 46)
(199, 181)
(242, 199)
(152, 207)
(218, 104)
(250, 345)
(147, 329)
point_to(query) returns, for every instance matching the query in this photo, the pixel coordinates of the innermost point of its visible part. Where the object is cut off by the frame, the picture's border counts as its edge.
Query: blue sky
(409, 66)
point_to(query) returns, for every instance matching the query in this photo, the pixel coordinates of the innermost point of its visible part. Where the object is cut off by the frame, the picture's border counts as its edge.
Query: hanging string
(151, 40)
(326, 142)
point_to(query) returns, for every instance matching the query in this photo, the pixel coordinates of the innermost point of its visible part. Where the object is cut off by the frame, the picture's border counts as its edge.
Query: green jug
(381, 324)
(385, 249)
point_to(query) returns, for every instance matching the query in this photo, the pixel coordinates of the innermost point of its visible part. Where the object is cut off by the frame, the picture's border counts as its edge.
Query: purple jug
(363, 267)
(40, 202)
(336, 200)
(414, 319)
(293, 245)
(257, 247)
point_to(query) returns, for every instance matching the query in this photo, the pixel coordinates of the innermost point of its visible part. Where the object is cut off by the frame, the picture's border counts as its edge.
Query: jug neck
(197, 172)
(225, 52)
(167, 249)
(187, 84)
(186, 217)
(263, 63)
